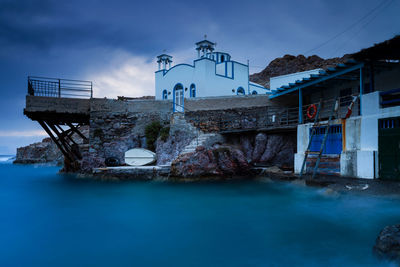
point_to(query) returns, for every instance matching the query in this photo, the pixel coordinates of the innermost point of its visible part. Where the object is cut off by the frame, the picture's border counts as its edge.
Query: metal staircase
(313, 131)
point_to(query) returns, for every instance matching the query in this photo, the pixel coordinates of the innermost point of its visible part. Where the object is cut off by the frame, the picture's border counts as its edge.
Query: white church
(212, 74)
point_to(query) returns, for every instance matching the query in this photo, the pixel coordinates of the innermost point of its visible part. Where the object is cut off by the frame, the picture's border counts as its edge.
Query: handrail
(270, 117)
(55, 87)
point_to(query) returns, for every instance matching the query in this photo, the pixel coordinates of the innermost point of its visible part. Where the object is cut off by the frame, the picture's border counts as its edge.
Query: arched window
(192, 90)
(222, 58)
(254, 92)
(164, 94)
(240, 91)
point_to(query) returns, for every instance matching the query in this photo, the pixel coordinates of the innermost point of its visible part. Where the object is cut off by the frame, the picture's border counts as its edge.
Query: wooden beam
(46, 128)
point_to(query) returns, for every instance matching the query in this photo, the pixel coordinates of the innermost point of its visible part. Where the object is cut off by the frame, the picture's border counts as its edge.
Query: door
(389, 148)
(333, 143)
(178, 98)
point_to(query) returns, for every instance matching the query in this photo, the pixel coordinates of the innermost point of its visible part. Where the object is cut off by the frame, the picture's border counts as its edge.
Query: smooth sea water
(48, 219)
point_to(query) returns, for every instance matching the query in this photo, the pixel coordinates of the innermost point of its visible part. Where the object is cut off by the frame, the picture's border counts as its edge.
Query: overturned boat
(139, 157)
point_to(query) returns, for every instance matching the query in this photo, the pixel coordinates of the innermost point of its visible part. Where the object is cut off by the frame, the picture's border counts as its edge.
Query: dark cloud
(68, 38)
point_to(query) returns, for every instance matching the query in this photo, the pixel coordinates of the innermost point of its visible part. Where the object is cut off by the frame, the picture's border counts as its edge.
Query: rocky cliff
(291, 64)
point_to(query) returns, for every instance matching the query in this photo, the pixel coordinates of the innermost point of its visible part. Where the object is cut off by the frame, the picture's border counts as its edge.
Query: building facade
(363, 142)
(212, 74)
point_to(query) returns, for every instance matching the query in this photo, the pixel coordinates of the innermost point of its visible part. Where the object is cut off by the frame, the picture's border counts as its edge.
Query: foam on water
(6, 158)
(49, 219)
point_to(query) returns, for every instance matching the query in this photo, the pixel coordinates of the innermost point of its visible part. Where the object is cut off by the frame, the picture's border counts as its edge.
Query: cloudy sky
(114, 43)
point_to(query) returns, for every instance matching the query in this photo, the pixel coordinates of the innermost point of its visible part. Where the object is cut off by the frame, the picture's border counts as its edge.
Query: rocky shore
(45, 151)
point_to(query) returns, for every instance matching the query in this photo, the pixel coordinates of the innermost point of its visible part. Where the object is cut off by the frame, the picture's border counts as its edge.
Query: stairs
(201, 140)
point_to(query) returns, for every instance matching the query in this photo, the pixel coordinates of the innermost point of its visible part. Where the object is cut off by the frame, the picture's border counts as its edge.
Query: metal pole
(361, 89)
(59, 88)
(300, 106)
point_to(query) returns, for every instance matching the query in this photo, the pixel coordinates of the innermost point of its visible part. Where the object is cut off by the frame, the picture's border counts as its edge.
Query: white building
(363, 98)
(212, 74)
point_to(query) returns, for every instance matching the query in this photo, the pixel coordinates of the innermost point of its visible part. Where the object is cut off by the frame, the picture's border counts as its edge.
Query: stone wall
(234, 102)
(117, 126)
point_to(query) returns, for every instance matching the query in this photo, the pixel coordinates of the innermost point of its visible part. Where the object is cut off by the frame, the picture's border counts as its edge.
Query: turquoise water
(49, 219)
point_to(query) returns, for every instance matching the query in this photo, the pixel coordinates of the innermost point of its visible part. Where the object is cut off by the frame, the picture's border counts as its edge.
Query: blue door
(333, 142)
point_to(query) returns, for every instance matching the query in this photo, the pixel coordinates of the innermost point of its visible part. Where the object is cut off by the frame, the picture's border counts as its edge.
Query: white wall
(278, 81)
(211, 79)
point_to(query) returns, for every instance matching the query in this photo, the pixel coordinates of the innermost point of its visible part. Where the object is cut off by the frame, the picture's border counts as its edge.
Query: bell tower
(204, 47)
(164, 61)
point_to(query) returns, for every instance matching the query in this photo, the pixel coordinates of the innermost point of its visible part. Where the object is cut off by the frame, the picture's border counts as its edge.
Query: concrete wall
(360, 155)
(57, 105)
(367, 156)
(113, 105)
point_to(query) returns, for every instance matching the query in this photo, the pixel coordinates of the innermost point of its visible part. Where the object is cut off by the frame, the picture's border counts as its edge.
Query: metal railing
(271, 117)
(52, 87)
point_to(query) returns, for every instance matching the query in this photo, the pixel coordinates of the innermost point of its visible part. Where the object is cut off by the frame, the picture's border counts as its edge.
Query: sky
(114, 43)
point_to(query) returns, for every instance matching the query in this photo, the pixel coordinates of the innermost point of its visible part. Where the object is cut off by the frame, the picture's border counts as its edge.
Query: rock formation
(291, 64)
(169, 149)
(45, 151)
(269, 149)
(41, 152)
(221, 161)
(236, 157)
(387, 244)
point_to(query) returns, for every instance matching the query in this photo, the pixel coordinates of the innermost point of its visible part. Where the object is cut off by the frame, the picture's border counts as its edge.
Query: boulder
(222, 161)
(387, 244)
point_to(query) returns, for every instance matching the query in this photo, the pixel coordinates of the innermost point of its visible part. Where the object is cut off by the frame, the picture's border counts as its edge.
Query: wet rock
(279, 151)
(222, 161)
(259, 146)
(169, 150)
(246, 145)
(387, 244)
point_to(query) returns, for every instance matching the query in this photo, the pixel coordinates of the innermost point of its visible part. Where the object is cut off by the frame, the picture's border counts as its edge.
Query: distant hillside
(291, 64)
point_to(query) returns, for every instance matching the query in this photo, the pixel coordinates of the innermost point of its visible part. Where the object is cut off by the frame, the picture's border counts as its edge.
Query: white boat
(139, 157)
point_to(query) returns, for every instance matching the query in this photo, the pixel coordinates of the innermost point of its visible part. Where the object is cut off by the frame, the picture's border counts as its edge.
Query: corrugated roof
(323, 75)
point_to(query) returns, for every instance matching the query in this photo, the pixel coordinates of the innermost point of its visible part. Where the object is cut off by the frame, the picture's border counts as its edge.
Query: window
(164, 94)
(222, 58)
(192, 90)
(254, 92)
(240, 91)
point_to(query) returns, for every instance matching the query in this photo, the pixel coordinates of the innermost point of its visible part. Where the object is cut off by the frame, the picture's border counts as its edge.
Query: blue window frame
(164, 94)
(240, 91)
(192, 90)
